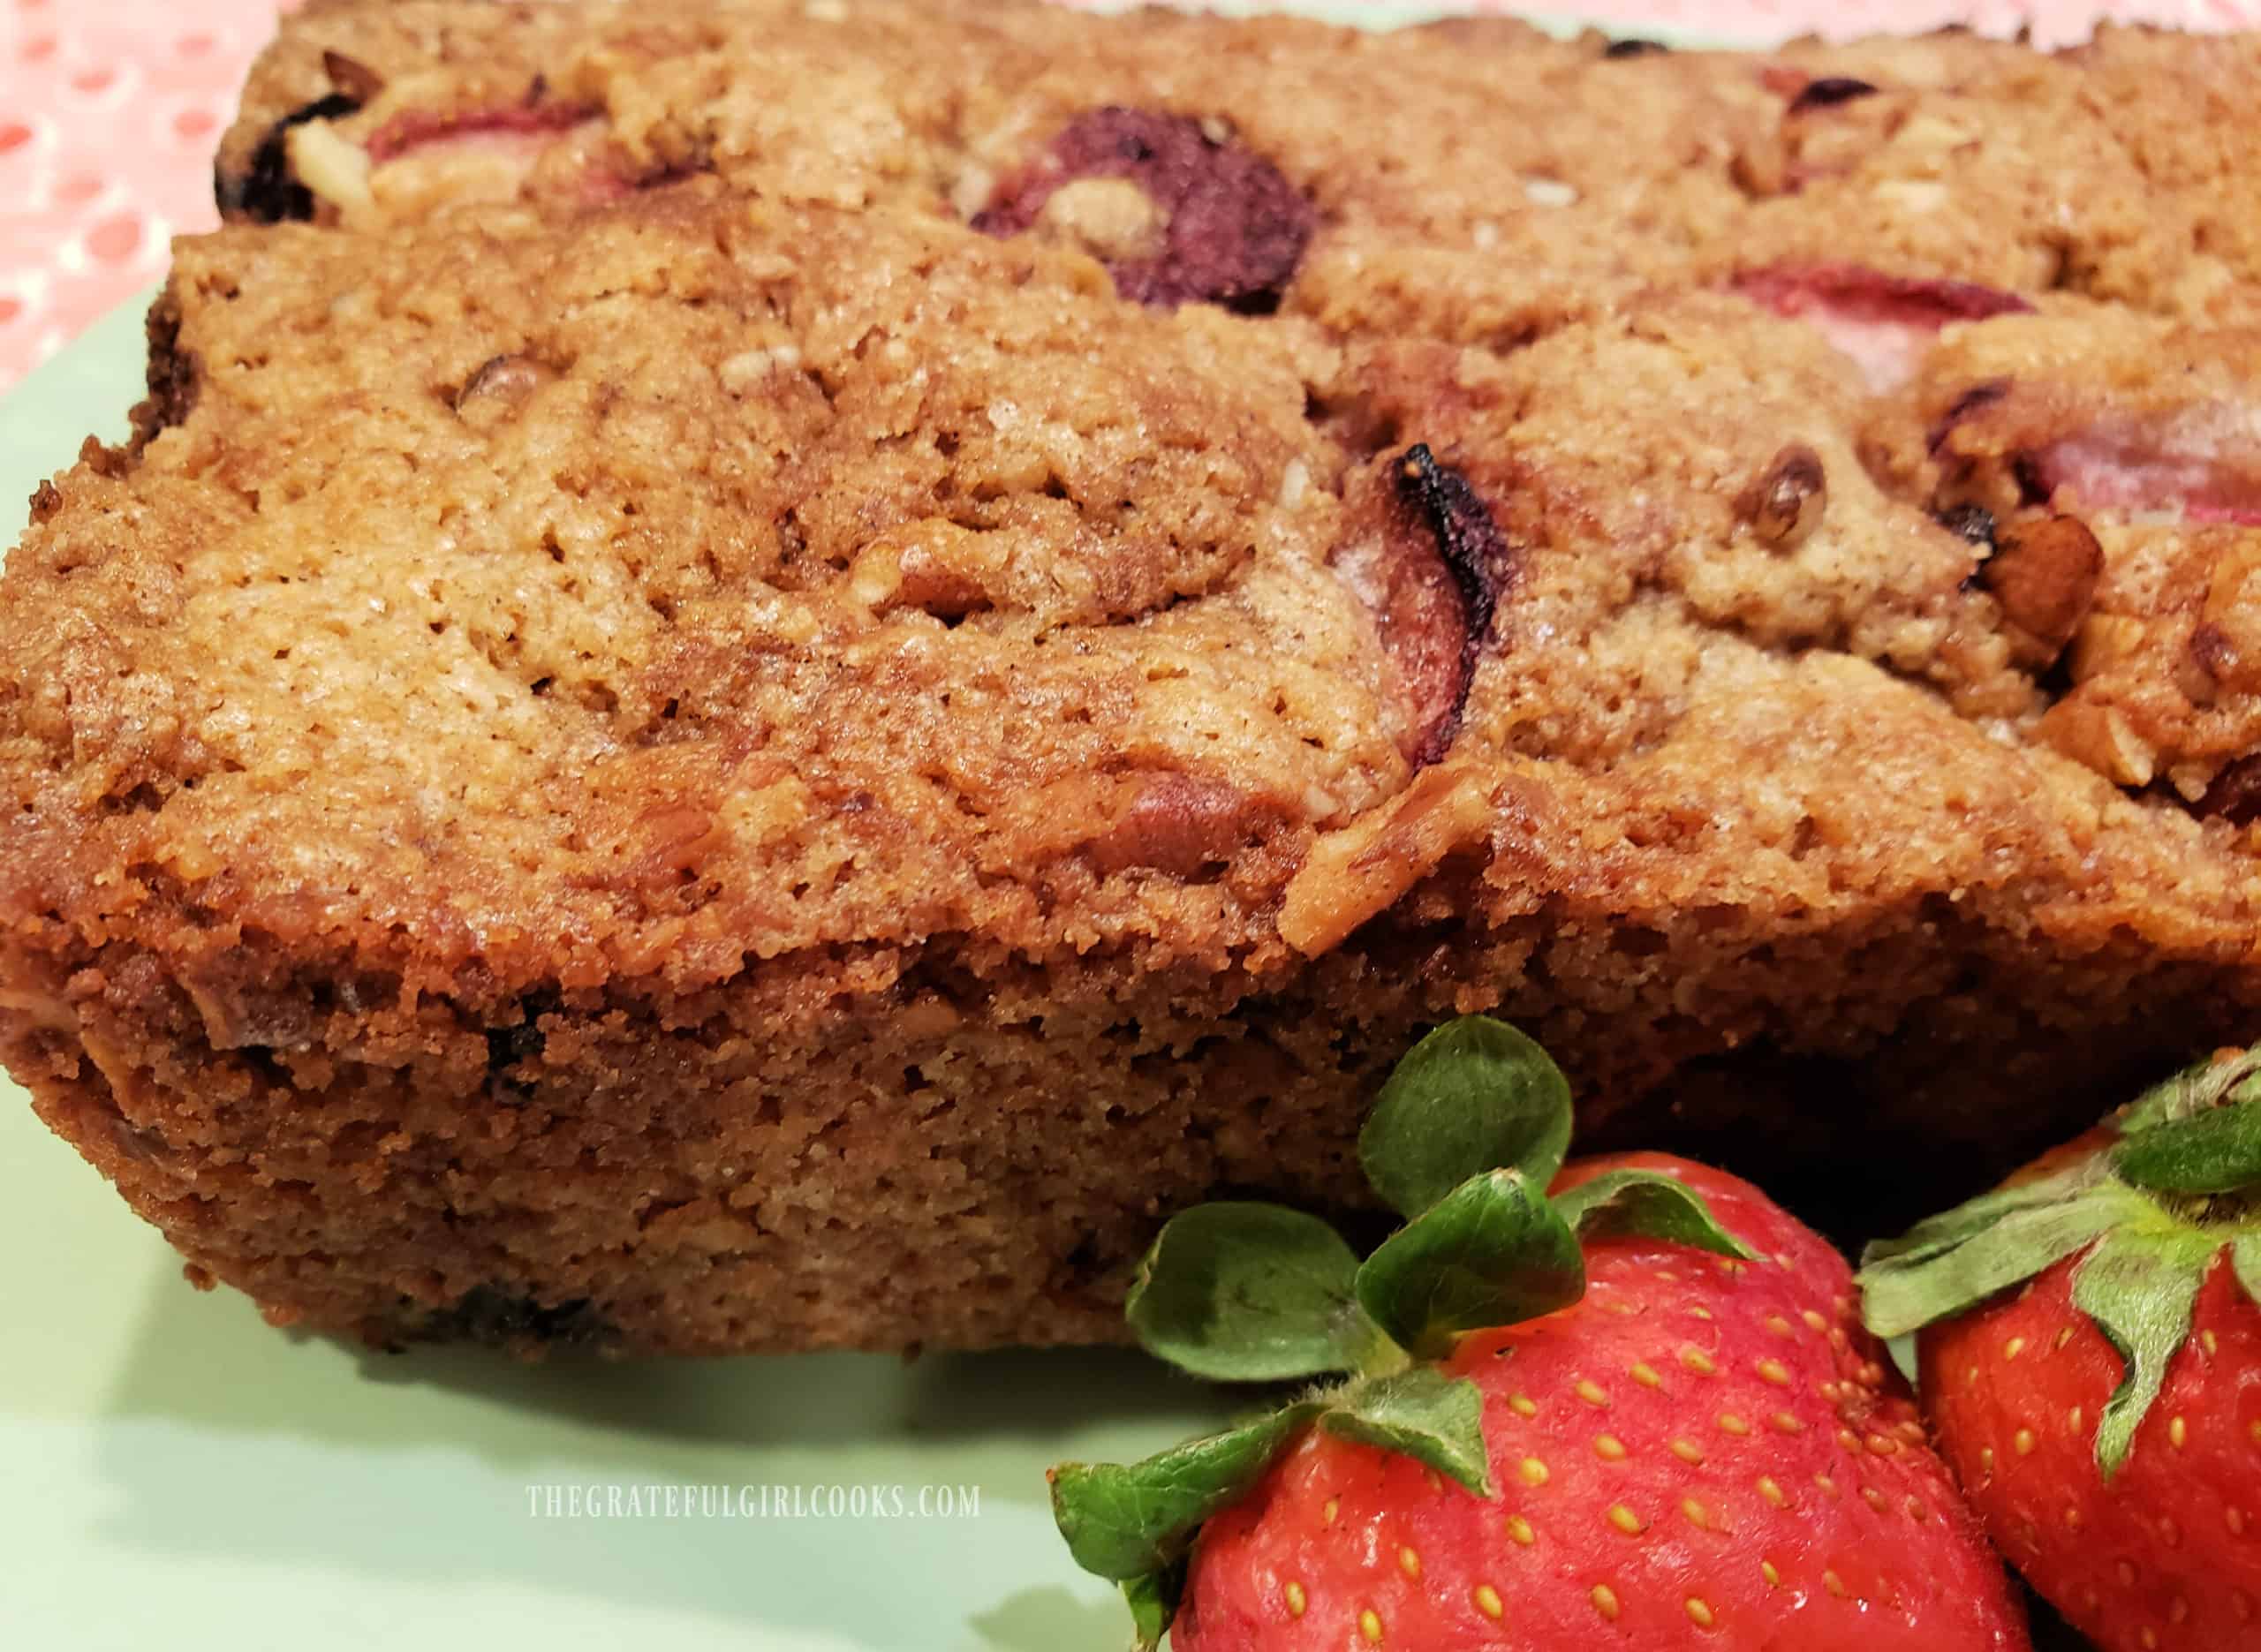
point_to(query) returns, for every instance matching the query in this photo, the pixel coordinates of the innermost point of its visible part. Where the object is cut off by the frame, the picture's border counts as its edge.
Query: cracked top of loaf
(637, 489)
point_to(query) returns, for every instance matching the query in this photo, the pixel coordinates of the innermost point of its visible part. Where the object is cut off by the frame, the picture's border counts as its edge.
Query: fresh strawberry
(2106, 1414)
(1635, 1410)
(1701, 1452)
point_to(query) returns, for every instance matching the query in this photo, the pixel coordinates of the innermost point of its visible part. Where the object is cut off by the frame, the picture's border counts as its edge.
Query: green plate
(178, 1475)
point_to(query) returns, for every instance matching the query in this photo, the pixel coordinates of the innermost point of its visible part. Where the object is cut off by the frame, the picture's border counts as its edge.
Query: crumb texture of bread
(763, 675)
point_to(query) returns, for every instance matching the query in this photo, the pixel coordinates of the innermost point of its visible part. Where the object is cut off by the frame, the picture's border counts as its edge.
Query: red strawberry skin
(1699, 1454)
(2170, 1553)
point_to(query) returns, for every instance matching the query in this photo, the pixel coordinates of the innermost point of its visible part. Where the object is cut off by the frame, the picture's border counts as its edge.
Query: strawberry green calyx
(1153, 1599)
(1463, 1140)
(2147, 1203)
(1492, 1252)
(1474, 1094)
(1128, 1523)
(1244, 1292)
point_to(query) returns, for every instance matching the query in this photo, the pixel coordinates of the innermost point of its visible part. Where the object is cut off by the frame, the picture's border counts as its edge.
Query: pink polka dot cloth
(109, 109)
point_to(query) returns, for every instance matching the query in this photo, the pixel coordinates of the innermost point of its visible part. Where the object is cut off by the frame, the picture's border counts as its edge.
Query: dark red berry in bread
(1223, 225)
(1884, 322)
(2191, 454)
(1431, 568)
(2234, 795)
(268, 192)
(2091, 1351)
(414, 128)
(1976, 399)
(1828, 91)
(1393, 565)
(1482, 564)
(1836, 288)
(1635, 1410)
(2136, 463)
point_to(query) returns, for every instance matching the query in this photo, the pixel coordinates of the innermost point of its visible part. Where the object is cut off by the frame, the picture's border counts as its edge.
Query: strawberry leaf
(2139, 1289)
(1475, 1095)
(1646, 1204)
(1938, 1234)
(1152, 1598)
(2215, 1151)
(1125, 1520)
(1243, 1291)
(1905, 1295)
(2195, 1090)
(1491, 1252)
(1436, 1419)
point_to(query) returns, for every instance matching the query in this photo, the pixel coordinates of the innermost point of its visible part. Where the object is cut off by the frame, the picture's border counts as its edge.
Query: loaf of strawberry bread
(764, 675)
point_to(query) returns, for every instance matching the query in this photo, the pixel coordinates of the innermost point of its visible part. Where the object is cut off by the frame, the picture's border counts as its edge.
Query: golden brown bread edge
(944, 1148)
